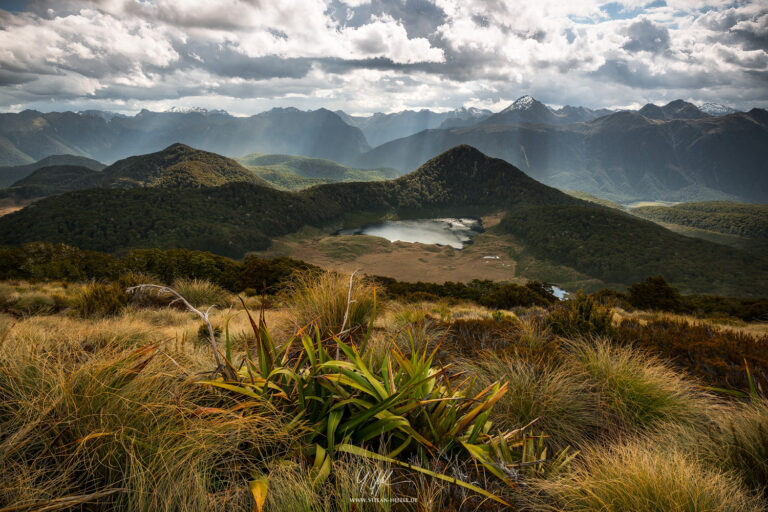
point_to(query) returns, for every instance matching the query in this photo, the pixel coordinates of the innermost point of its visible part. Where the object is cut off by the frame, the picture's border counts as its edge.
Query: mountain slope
(177, 166)
(548, 225)
(298, 172)
(380, 128)
(677, 109)
(622, 156)
(619, 248)
(48, 181)
(11, 155)
(10, 175)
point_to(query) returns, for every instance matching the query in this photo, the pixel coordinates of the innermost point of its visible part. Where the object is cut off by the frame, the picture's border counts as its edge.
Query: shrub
(654, 293)
(715, 356)
(267, 275)
(320, 298)
(200, 292)
(636, 477)
(637, 390)
(564, 405)
(512, 295)
(580, 316)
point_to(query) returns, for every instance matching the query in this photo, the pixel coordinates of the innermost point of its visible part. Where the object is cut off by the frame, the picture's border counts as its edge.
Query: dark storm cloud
(645, 36)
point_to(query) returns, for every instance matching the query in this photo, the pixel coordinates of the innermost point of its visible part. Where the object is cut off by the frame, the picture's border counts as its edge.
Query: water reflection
(449, 231)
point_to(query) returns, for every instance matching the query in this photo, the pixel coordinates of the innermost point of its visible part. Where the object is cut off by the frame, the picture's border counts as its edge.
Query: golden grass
(651, 439)
(638, 390)
(564, 405)
(330, 299)
(636, 476)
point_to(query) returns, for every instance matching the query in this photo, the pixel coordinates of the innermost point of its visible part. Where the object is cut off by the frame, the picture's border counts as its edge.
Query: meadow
(333, 394)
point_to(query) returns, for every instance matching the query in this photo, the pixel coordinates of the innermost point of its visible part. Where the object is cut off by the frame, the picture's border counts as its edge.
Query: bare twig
(346, 312)
(220, 367)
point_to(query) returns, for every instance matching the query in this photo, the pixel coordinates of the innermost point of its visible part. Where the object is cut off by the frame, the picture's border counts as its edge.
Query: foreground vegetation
(335, 397)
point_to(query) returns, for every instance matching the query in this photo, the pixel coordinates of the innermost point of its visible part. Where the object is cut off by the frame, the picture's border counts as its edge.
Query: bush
(580, 316)
(320, 298)
(654, 293)
(637, 477)
(715, 356)
(637, 390)
(512, 295)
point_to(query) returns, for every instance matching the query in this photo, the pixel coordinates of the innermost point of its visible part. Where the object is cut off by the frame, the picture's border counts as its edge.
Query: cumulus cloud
(644, 35)
(371, 55)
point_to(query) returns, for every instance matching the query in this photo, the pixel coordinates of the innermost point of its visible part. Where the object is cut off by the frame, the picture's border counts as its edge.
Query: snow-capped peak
(524, 103)
(716, 109)
(195, 110)
(521, 104)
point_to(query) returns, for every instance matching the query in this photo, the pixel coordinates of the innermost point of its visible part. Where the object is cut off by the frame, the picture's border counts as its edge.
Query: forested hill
(741, 219)
(235, 218)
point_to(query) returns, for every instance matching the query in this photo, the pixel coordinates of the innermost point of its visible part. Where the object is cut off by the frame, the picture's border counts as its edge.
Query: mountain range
(319, 133)
(622, 156)
(673, 152)
(232, 219)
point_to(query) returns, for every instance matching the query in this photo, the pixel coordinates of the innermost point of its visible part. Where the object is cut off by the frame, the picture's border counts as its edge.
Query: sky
(365, 56)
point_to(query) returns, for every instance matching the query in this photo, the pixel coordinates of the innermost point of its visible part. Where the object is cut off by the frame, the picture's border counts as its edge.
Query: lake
(452, 232)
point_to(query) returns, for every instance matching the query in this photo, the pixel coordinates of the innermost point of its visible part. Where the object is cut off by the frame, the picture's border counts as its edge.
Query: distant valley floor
(491, 255)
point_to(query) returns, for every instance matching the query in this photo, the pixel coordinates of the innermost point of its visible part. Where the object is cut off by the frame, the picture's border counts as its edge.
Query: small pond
(453, 232)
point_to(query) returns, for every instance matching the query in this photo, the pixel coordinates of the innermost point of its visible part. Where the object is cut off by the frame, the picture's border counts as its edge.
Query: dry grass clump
(636, 389)
(201, 292)
(98, 300)
(565, 406)
(321, 299)
(739, 442)
(636, 477)
(26, 299)
(123, 428)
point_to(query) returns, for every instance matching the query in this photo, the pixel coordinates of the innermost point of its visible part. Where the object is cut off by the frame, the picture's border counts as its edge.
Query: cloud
(369, 55)
(645, 36)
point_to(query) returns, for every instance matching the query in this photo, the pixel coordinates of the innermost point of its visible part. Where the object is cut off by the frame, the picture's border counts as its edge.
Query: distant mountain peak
(676, 109)
(522, 104)
(716, 109)
(195, 110)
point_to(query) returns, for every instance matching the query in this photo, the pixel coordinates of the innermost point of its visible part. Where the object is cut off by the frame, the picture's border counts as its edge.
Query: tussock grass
(98, 300)
(567, 408)
(76, 421)
(739, 442)
(90, 419)
(201, 292)
(638, 390)
(636, 477)
(321, 299)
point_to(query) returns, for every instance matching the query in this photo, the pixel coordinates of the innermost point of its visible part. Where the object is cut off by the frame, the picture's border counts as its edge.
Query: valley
(183, 197)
